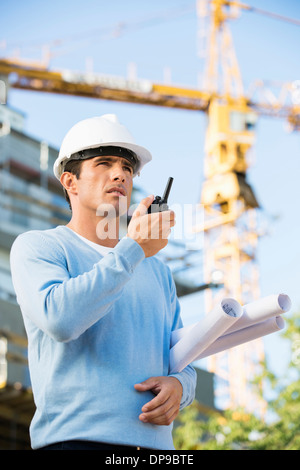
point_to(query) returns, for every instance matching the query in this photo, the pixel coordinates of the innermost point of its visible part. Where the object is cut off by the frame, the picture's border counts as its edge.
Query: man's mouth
(117, 191)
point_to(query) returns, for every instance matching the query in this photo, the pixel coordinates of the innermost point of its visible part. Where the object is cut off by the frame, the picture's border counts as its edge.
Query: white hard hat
(98, 133)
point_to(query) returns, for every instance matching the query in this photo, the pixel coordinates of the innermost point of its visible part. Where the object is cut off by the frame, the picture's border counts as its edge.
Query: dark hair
(74, 167)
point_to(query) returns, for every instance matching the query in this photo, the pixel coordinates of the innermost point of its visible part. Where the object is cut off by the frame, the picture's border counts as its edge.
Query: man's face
(105, 180)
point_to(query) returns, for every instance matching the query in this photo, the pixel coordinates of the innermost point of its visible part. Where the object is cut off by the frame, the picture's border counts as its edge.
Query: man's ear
(69, 182)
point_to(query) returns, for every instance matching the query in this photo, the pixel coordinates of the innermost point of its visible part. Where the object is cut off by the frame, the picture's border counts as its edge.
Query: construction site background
(230, 139)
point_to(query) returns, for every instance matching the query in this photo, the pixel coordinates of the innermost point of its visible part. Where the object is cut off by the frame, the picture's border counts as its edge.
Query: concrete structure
(30, 198)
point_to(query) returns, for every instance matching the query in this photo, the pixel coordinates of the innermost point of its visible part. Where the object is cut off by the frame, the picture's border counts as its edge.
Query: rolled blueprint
(180, 333)
(204, 333)
(254, 312)
(245, 335)
(261, 310)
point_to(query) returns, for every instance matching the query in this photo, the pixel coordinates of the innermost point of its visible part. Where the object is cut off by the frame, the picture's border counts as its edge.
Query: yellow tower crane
(230, 227)
(229, 202)
(231, 232)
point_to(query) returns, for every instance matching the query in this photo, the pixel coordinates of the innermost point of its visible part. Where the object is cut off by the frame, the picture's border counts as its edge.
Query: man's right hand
(150, 231)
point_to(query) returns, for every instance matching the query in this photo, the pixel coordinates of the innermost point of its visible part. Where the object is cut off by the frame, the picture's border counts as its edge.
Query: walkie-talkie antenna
(167, 190)
(160, 203)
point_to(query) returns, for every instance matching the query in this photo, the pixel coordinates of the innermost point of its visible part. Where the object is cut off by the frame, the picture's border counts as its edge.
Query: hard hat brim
(143, 156)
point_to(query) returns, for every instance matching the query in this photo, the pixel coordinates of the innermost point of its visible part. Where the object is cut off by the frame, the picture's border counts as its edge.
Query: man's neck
(99, 230)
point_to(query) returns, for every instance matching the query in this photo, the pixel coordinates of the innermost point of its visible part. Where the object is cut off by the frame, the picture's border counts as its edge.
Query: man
(99, 311)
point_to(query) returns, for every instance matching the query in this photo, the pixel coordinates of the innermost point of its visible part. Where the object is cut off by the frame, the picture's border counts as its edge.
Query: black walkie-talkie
(160, 203)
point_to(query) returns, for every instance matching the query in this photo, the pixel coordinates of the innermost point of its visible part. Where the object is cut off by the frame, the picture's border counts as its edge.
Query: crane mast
(231, 238)
(229, 203)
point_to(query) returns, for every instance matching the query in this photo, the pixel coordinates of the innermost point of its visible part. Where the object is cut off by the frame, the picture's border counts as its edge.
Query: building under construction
(31, 198)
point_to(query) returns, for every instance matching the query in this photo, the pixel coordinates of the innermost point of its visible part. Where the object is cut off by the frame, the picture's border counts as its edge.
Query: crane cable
(260, 11)
(120, 28)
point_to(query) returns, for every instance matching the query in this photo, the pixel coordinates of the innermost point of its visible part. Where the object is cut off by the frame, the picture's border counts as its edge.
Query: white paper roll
(245, 335)
(178, 334)
(204, 333)
(261, 310)
(254, 312)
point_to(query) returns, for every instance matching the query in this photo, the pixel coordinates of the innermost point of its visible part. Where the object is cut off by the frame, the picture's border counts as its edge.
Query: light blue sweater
(96, 326)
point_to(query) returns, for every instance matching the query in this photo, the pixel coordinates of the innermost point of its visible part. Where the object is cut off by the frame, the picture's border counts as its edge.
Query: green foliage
(237, 429)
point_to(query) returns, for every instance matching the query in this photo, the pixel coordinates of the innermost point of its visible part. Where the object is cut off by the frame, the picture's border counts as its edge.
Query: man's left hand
(164, 408)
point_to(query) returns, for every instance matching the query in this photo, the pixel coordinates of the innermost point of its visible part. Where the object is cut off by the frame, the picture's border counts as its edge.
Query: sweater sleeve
(60, 305)
(187, 377)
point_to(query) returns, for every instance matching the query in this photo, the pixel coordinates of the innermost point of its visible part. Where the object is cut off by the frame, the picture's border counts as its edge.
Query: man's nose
(118, 174)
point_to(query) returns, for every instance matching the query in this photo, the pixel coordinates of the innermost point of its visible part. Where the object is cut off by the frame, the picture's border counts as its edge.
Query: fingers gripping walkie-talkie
(160, 204)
